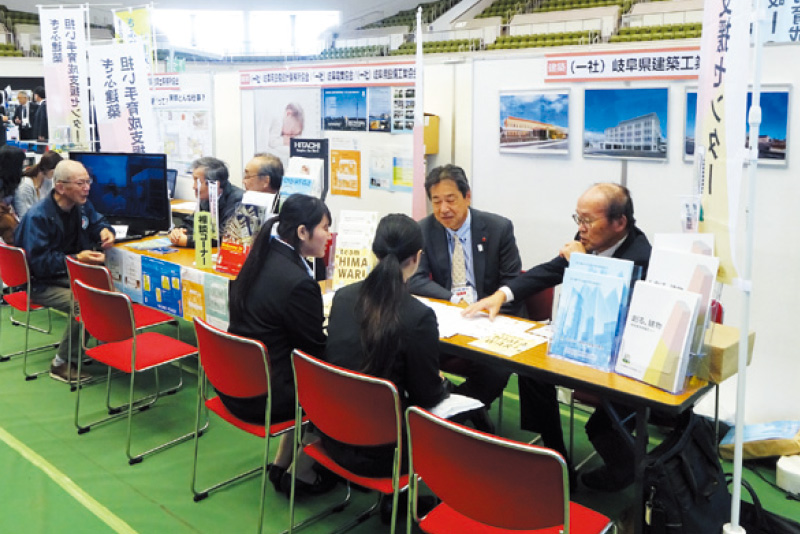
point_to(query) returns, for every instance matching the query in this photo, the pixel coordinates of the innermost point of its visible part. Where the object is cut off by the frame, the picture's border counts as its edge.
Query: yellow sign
(202, 240)
(352, 265)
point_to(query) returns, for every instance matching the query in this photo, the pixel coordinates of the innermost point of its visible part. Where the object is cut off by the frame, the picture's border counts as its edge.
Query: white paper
(454, 405)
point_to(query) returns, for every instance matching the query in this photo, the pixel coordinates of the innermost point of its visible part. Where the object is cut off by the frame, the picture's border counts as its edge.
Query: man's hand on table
(489, 304)
(106, 238)
(91, 257)
(178, 237)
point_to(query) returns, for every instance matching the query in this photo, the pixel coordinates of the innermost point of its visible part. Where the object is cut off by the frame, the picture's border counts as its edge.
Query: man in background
(40, 126)
(205, 170)
(23, 116)
(468, 254)
(606, 227)
(64, 223)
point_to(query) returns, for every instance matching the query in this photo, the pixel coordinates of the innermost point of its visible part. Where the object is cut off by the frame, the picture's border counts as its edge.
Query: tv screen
(129, 189)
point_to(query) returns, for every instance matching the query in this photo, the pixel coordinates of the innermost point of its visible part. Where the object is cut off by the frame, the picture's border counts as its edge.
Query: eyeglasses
(80, 183)
(583, 221)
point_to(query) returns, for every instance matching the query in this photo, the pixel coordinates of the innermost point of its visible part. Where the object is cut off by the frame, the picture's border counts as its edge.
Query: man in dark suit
(23, 116)
(606, 227)
(40, 126)
(489, 258)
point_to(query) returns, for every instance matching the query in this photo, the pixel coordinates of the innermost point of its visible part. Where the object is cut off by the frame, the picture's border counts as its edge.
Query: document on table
(505, 335)
(189, 205)
(161, 242)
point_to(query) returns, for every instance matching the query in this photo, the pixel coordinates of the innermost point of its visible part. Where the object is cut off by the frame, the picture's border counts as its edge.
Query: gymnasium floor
(53, 480)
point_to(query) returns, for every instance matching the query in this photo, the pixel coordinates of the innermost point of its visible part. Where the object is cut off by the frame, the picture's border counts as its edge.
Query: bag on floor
(684, 486)
(755, 520)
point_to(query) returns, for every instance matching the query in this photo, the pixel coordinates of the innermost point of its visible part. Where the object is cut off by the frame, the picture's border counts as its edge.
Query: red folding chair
(14, 273)
(238, 367)
(355, 409)
(98, 276)
(108, 317)
(490, 484)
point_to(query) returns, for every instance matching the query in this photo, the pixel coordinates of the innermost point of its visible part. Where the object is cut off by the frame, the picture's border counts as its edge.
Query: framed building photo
(534, 122)
(773, 134)
(625, 123)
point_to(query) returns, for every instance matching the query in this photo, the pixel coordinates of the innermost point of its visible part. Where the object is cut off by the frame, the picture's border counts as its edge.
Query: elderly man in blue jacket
(64, 223)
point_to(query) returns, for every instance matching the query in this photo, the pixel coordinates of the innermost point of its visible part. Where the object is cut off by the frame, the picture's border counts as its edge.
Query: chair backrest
(347, 406)
(96, 276)
(108, 316)
(492, 480)
(540, 305)
(13, 266)
(236, 366)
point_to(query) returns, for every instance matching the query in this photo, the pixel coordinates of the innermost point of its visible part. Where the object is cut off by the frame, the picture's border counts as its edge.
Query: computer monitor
(129, 189)
(172, 181)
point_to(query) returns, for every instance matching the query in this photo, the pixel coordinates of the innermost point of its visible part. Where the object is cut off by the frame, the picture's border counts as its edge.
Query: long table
(641, 397)
(537, 364)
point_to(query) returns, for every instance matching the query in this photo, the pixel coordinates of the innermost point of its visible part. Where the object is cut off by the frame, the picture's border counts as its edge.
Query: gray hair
(66, 169)
(214, 169)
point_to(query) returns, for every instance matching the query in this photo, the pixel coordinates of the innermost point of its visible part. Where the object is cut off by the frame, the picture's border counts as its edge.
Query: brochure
(658, 332)
(587, 320)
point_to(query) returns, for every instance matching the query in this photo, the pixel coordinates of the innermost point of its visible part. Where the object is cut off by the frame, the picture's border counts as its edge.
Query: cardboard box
(431, 134)
(722, 359)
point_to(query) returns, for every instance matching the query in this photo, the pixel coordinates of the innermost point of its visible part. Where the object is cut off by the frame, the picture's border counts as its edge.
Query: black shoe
(605, 480)
(322, 484)
(481, 421)
(275, 475)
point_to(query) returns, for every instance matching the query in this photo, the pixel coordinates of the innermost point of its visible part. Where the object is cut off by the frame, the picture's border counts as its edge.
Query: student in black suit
(276, 300)
(490, 259)
(40, 126)
(23, 116)
(606, 227)
(3, 120)
(378, 328)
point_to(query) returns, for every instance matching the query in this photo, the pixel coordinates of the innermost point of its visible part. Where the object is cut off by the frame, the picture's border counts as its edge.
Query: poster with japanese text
(135, 26)
(379, 104)
(183, 105)
(161, 285)
(403, 173)
(346, 173)
(403, 102)
(344, 109)
(125, 118)
(66, 74)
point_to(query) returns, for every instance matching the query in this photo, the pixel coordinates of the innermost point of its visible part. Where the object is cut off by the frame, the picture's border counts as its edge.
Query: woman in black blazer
(378, 328)
(276, 300)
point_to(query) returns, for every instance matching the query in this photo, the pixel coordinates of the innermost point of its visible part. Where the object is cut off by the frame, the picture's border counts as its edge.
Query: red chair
(490, 484)
(108, 317)
(355, 409)
(15, 274)
(99, 277)
(238, 367)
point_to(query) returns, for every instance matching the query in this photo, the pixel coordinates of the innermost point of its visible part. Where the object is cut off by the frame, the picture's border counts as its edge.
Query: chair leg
(15, 322)
(199, 495)
(7, 357)
(27, 324)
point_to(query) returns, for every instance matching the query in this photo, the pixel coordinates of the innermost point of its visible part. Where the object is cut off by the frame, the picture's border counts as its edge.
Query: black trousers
(483, 381)
(539, 412)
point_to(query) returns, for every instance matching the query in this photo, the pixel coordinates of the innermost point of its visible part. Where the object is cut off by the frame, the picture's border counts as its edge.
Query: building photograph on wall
(772, 133)
(534, 122)
(625, 123)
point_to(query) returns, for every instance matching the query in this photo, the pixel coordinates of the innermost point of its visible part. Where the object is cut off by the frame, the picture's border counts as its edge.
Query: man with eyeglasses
(606, 227)
(64, 223)
(264, 173)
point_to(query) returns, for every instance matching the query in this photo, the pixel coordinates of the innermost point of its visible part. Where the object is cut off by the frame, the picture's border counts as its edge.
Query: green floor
(54, 480)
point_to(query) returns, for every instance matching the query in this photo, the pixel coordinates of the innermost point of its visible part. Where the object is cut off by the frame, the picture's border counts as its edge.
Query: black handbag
(755, 520)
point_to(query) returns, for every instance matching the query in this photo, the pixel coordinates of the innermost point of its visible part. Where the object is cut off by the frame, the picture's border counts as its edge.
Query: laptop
(172, 180)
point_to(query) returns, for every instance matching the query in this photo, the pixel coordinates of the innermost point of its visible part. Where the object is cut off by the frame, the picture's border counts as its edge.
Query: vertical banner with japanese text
(66, 74)
(134, 25)
(720, 126)
(121, 91)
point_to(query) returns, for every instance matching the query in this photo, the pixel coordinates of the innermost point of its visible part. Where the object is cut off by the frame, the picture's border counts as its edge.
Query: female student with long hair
(276, 300)
(378, 328)
(37, 182)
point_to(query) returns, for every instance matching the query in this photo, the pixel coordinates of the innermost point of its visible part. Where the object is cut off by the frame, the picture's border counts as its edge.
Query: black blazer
(415, 371)
(39, 122)
(636, 248)
(26, 134)
(495, 257)
(284, 311)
